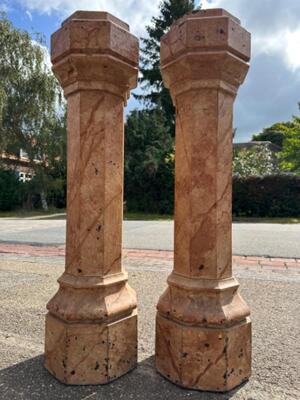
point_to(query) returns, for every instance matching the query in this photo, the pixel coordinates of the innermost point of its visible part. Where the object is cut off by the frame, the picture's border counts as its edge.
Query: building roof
(248, 145)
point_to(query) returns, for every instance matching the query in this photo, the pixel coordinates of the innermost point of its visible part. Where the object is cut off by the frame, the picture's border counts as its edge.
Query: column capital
(95, 51)
(205, 49)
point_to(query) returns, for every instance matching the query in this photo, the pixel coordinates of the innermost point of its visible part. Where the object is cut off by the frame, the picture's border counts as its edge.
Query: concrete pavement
(27, 283)
(273, 240)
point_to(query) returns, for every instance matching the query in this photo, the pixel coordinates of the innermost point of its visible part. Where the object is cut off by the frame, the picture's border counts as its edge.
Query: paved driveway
(274, 240)
(26, 286)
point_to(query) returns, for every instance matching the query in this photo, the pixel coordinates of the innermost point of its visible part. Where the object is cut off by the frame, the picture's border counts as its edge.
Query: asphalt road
(274, 240)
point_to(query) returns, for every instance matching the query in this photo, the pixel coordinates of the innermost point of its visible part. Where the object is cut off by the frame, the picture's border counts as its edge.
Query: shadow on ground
(30, 381)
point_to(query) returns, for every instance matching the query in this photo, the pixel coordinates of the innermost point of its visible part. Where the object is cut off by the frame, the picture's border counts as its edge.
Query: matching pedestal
(203, 329)
(91, 327)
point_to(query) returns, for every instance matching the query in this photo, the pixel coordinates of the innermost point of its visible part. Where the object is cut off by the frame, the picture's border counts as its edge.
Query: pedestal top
(94, 33)
(95, 15)
(213, 30)
(211, 12)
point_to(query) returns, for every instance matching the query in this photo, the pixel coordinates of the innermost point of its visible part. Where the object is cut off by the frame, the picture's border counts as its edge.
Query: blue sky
(272, 88)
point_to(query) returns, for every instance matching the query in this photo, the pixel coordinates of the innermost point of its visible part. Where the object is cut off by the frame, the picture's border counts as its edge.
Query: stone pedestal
(203, 331)
(91, 327)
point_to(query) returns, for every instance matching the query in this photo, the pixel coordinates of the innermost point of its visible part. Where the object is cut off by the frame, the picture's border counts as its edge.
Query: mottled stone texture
(203, 331)
(91, 327)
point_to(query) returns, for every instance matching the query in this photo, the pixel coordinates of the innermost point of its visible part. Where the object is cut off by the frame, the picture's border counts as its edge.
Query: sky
(271, 90)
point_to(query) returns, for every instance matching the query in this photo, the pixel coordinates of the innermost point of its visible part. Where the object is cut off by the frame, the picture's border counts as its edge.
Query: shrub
(269, 196)
(10, 191)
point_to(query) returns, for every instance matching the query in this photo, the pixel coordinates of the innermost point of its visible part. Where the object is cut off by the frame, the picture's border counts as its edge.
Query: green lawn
(268, 220)
(159, 217)
(30, 213)
(138, 216)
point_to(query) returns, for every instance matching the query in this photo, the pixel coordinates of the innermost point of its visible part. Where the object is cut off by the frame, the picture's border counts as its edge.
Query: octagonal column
(203, 330)
(91, 326)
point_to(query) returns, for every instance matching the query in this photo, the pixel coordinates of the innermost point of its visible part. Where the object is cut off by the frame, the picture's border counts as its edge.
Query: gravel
(26, 286)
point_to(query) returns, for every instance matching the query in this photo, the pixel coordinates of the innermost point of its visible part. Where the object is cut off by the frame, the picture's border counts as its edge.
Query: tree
(31, 118)
(290, 154)
(149, 168)
(273, 134)
(155, 94)
(51, 169)
(254, 162)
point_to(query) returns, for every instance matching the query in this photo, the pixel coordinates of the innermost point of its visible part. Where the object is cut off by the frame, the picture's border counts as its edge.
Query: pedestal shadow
(29, 380)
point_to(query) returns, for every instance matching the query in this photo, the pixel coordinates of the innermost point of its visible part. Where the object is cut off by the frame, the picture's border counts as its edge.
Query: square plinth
(210, 359)
(90, 353)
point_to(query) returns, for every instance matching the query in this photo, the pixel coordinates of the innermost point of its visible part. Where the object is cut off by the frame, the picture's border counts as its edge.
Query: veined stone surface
(203, 329)
(91, 327)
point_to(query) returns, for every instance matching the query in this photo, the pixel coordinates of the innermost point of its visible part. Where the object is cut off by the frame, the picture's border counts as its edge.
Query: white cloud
(274, 25)
(292, 50)
(28, 13)
(285, 43)
(4, 7)
(137, 13)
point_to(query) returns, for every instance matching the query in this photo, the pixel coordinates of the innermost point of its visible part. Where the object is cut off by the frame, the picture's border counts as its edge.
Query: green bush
(269, 196)
(149, 165)
(152, 195)
(56, 194)
(10, 191)
(54, 189)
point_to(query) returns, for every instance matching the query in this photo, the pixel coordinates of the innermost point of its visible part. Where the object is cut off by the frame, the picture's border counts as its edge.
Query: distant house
(20, 164)
(252, 145)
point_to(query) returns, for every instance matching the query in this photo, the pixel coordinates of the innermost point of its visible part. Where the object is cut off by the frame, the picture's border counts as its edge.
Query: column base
(203, 358)
(90, 353)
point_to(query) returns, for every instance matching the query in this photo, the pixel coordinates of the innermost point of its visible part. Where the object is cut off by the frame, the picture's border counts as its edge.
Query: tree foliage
(149, 134)
(31, 117)
(290, 154)
(155, 94)
(10, 191)
(273, 134)
(149, 172)
(258, 161)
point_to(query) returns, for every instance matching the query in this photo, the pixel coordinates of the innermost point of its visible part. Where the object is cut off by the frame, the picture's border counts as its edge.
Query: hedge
(10, 191)
(269, 196)
(15, 194)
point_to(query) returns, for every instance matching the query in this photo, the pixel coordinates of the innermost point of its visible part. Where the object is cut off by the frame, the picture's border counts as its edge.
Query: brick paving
(237, 260)
(25, 249)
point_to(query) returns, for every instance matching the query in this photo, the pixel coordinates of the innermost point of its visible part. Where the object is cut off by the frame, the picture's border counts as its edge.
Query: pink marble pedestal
(203, 330)
(91, 327)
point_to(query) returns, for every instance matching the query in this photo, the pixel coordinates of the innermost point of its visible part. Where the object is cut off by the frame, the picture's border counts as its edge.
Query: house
(20, 164)
(252, 145)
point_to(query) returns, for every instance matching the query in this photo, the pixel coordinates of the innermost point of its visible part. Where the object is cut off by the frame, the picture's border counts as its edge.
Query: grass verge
(268, 220)
(31, 213)
(55, 213)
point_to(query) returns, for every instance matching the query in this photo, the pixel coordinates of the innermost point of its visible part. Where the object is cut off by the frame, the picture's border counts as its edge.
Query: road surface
(273, 240)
